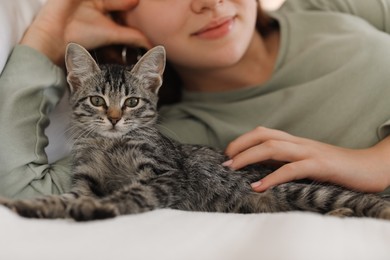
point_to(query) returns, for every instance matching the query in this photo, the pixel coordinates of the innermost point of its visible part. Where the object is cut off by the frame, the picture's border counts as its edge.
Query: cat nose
(114, 120)
(114, 115)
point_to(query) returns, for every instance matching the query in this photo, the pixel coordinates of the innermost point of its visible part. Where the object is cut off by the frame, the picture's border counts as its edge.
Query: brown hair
(171, 90)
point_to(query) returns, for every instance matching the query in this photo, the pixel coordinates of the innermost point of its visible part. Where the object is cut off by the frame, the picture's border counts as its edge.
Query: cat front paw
(47, 207)
(85, 209)
(25, 209)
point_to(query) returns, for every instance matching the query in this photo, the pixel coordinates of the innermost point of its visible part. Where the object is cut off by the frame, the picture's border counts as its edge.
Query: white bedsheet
(171, 234)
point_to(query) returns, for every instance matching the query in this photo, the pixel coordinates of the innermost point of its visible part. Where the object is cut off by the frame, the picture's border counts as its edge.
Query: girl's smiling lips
(216, 28)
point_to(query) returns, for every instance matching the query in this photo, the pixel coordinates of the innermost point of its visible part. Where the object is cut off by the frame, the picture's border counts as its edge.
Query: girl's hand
(366, 170)
(86, 22)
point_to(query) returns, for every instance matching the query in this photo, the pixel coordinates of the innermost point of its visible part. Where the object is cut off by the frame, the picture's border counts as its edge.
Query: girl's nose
(199, 6)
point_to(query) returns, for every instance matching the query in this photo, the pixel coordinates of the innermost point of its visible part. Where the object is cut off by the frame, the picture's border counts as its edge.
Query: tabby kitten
(123, 165)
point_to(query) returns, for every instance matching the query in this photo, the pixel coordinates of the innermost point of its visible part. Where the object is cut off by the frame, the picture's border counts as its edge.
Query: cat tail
(332, 200)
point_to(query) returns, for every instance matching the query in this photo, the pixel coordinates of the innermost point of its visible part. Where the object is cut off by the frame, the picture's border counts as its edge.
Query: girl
(306, 86)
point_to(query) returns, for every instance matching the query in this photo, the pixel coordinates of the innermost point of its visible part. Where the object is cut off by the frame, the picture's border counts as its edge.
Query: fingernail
(256, 184)
(227, 163)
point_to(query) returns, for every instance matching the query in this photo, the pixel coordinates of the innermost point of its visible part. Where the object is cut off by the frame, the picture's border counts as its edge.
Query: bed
(172, 234)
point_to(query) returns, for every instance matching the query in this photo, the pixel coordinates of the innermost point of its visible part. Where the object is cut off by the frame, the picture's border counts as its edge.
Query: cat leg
(131, 199)
(80, 209)
(138, 198)
(43, 207)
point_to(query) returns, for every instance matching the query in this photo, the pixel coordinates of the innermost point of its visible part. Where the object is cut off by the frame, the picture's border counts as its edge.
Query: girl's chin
(211, 59)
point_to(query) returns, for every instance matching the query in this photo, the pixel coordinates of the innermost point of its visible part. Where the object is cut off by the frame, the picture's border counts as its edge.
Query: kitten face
(113, 103)
(113, 100)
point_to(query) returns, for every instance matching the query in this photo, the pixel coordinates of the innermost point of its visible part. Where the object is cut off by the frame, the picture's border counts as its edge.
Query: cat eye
(132, 102)
(97, 101)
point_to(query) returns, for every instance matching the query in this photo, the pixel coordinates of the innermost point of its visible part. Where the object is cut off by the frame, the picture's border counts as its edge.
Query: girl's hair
(171, 90)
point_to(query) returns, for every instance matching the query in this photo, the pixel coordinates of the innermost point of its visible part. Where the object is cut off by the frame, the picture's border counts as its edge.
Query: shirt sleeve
(30, 86)
(376, 12)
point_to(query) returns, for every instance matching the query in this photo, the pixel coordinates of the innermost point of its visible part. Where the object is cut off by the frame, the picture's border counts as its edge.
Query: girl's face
(197, 34)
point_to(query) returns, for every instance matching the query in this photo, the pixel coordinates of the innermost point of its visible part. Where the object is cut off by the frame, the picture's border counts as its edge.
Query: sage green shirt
(331, 83)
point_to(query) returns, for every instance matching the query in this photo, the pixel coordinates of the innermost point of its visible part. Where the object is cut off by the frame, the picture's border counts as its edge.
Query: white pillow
(15, 17)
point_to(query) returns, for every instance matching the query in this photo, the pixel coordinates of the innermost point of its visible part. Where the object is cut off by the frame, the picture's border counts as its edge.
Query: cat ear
(150, 68)
(79, 64)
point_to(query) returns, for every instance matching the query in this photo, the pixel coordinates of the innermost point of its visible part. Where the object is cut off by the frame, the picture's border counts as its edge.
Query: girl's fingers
(93, 28)
(275, 150)
(255, 137)
(104, 32)
(128, 36)
(83, 21)
(288, 172)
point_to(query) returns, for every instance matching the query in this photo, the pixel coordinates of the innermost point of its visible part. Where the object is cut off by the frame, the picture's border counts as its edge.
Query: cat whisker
(91, 130)
(80, 133)
(70, 132)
